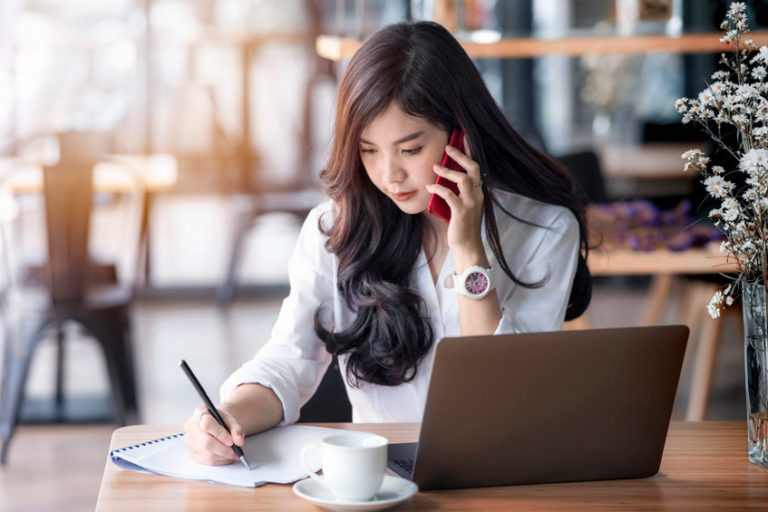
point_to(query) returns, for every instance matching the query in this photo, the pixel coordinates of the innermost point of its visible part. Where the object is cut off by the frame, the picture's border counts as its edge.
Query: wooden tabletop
(704, 468)
(155, 172)
(697, 260)
(651, 161)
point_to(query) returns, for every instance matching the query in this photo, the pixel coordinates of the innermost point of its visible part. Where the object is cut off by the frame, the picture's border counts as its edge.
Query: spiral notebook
(274, 457)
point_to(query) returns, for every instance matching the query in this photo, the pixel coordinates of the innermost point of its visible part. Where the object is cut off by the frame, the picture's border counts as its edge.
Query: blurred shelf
(339, 48)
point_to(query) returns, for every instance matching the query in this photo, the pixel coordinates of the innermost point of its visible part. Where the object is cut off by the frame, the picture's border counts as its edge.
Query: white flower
(690, 154)
(729, 37)
(747, 246)
(739, 120)
(717, 169)
(759, 73)
(762, 55)
(718, 88)
(753, 160)
(730, 203)
(760, 132)
(714, 305)
(736, 8)
(733, 102)
(747, 91)
(706, 97)
(716, 186)
(720, 75)
(731, 215)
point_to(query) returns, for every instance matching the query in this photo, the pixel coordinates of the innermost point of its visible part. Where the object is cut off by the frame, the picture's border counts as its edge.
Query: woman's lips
(403, 196)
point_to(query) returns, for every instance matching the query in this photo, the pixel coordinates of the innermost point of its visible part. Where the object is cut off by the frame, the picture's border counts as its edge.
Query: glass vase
(756, 370)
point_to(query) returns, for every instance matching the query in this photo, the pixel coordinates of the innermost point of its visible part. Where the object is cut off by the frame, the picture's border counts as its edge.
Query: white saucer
(393, 490)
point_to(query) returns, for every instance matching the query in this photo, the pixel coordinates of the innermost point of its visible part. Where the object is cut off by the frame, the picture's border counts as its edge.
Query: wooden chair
(258, 197)
(57, 204)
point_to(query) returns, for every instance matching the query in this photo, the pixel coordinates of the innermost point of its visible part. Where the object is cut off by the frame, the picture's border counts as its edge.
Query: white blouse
(294, 360)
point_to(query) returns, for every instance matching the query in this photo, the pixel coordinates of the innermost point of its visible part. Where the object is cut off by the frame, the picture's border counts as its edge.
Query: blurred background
(157, 158)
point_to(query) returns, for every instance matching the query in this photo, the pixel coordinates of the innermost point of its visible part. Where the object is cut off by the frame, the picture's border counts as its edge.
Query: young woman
(375, 278)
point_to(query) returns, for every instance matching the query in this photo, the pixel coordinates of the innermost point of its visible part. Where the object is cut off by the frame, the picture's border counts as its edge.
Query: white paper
(274, 457)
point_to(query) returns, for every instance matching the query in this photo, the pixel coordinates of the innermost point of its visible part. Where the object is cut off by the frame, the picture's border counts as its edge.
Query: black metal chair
(65, 283)
(330, 402)
(584, 166)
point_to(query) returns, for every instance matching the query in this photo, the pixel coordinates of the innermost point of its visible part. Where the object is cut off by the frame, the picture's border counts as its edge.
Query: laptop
(545, 407)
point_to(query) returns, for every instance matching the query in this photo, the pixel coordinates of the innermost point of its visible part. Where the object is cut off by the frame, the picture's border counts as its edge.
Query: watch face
(476, 283)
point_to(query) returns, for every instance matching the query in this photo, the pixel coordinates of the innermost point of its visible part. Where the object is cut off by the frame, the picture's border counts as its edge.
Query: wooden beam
(339, 48)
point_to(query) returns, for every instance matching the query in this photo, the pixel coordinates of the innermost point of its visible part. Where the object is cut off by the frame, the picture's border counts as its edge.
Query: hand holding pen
(208, 435)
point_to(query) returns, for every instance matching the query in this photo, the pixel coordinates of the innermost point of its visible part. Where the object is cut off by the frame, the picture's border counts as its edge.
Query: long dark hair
(424, 70)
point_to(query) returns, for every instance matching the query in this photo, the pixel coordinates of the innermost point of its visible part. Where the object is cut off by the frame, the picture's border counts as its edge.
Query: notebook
(274, 457)
(545, 407)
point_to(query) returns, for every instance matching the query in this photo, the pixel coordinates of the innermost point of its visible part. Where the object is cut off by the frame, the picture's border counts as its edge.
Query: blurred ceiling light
(121, 55)
(34, 29)
(173, 18)
(485, 36)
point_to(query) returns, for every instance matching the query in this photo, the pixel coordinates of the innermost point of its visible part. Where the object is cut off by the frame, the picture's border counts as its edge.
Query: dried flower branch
(736, 100)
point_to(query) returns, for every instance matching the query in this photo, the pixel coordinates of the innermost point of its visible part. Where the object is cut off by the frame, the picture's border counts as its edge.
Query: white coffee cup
(353, 464)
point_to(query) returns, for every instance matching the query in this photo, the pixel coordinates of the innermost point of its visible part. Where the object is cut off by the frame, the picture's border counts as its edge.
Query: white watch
(475, 282)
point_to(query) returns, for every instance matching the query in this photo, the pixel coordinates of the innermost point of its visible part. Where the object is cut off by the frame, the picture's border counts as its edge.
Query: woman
(375, 278)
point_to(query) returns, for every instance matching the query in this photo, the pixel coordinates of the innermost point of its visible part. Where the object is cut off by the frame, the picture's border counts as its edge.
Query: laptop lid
(549, 407)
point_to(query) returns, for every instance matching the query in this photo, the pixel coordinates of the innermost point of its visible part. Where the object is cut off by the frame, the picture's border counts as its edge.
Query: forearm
(255, 407)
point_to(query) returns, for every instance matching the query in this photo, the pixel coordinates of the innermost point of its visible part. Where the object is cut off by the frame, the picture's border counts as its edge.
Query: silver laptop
(545, 407)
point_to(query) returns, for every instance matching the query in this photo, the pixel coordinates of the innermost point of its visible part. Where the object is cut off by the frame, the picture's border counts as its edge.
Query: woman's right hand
(210, 443)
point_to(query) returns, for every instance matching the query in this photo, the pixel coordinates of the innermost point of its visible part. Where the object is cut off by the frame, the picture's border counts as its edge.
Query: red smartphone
(437, 204)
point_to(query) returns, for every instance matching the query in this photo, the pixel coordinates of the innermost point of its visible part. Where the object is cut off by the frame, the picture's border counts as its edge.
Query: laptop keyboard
(406, 464)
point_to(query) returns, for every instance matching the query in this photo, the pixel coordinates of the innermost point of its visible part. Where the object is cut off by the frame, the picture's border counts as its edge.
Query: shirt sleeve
(294, 360)
(550, 253)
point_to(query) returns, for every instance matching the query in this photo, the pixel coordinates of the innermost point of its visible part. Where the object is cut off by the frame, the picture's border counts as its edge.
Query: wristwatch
(475, 282)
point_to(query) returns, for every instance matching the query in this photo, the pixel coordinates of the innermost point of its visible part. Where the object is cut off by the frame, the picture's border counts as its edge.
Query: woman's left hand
(467, 207)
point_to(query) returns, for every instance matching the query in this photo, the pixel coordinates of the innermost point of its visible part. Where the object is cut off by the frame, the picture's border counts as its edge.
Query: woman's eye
(411, 152)
(364, 150)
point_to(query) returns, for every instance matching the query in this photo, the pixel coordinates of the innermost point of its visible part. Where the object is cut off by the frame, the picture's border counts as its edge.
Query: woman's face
(398, 152)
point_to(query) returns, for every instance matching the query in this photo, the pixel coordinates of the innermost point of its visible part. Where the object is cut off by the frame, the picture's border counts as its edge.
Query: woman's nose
(393, 171)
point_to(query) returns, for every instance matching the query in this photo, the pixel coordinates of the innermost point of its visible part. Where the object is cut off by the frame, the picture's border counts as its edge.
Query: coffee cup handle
(312, 473)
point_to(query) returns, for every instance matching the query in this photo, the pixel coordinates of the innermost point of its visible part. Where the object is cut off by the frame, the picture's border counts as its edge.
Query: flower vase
(756, 370)
(601, 128)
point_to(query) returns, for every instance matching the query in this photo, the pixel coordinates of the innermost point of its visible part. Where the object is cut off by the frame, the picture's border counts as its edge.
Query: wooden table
(668, 267)
(704, 468)
(646, 170)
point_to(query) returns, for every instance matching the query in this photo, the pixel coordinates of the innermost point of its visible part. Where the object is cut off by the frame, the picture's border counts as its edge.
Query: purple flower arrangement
(640, 225)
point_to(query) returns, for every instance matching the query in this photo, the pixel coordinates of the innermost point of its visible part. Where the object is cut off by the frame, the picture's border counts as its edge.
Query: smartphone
(437, 204)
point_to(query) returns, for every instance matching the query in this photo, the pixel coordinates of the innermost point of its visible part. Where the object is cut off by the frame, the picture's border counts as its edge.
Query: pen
(209, 405)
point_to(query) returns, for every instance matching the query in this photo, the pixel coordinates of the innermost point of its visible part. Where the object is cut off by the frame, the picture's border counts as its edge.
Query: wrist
(469, 255)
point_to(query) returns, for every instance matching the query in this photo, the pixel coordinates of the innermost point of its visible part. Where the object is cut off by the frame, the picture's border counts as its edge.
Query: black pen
(209, 405)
